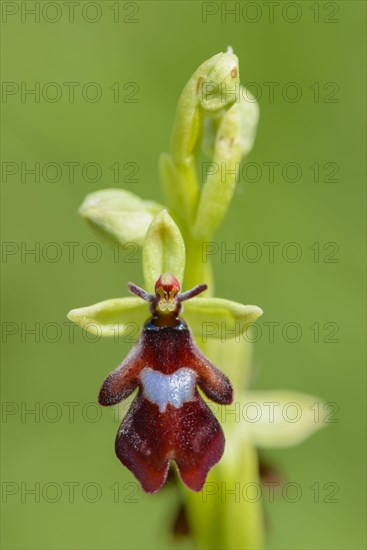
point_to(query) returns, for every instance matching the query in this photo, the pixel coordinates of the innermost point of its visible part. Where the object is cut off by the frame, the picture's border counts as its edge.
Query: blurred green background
(158, 52)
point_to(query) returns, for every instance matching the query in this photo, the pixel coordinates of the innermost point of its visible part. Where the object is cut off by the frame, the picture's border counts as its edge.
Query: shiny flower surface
(168, 419)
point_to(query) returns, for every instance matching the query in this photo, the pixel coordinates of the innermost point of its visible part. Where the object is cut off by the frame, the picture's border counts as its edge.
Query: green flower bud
(203, 92)
(287, 418)
(118, 215)
(227, 139)
(180, 186)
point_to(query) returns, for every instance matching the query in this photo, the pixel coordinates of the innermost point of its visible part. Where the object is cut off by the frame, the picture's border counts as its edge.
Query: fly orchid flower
(168, 419)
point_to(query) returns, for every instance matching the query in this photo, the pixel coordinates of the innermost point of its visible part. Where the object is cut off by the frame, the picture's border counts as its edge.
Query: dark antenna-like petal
(140, 292)
(123, 380)
(192, 292)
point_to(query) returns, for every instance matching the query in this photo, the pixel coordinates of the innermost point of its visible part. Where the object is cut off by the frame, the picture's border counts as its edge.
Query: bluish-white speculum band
(163, 389)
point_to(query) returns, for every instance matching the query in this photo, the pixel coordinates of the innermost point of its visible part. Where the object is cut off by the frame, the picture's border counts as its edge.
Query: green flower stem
(244, 519)
(227, 515)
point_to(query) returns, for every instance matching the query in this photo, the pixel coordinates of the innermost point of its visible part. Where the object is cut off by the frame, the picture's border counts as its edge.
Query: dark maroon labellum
(168, 419)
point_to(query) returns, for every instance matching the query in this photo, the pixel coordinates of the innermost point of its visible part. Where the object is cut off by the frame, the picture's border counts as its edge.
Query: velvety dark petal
(168, 419)
(123, 380)
(199, 442)
(143, 443)
(190, 435)
(211, 380)
(166, 349)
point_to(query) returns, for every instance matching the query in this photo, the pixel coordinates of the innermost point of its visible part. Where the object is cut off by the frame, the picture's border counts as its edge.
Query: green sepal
(114, 317)
(219, 318)
(163, 250)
